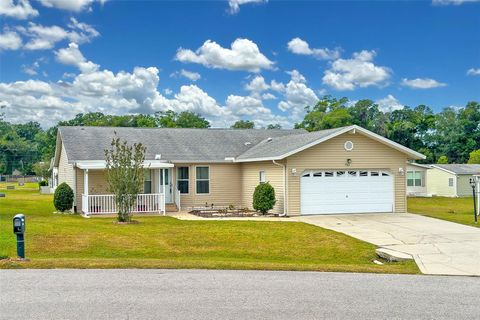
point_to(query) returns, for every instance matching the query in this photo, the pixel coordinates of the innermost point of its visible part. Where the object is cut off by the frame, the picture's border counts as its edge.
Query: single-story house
(451, 180)
(342, 170)
(417, 184)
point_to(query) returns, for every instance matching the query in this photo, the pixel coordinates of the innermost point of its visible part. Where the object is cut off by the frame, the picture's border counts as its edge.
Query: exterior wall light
(401, 171)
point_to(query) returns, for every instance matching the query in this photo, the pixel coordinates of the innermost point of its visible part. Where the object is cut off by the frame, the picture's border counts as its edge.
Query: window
(415, 179)
(317, 174)
(363, 173)
(352, 173)
(374, 174)
(340, 173)
(450, 182)
(203, 180)
(328, 174)
(262, 177)
(147, 181)
(182, 179)
(306, 174)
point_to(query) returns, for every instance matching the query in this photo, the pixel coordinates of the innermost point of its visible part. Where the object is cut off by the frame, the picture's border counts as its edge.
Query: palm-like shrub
(264, 198)
(63, 197)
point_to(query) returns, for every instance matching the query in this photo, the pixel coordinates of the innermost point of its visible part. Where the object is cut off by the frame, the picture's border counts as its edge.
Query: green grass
(70, 241)
(459, 210)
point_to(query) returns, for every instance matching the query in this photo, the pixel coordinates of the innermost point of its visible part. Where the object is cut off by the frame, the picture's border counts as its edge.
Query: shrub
(63, 197)
(43, 183)
(264, 198)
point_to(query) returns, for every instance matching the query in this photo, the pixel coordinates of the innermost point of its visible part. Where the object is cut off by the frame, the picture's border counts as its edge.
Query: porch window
(203, 180)
(147, 181)
(182, 179)
(415, 179)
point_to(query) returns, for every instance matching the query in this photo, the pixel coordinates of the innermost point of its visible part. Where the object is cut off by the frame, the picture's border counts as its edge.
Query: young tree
(125, 175)
(243, 124)
(42, 169)
(442, 160)
(474, 157)
(264, 198)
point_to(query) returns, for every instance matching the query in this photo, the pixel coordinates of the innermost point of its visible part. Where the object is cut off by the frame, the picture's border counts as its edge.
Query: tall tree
(185, 119)
(243, 124)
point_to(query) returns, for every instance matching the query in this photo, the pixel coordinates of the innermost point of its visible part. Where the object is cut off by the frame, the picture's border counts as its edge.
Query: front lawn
(459, 210)
(70, 241)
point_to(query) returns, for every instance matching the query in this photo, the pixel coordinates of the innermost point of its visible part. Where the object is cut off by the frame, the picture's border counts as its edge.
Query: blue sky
(62, 57)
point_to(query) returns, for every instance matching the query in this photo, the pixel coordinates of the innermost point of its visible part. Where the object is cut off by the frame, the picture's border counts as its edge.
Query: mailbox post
(19, 230)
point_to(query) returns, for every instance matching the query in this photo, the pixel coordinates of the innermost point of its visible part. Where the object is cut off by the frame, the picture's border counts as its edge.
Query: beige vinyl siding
(65, 170)
(225, 185)
(463, 185)
(438, 183)
(367, 154)
(251, 178)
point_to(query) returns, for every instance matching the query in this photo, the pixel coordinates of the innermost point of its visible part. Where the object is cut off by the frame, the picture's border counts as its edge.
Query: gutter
(284, 187)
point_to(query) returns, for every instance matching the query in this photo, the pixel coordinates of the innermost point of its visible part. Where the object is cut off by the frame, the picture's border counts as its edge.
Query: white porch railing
(105, 204)
(177, 199)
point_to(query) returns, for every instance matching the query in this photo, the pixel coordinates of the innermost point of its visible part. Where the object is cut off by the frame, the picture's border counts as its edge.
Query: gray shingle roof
(279, 146)
(461, 168)
(196, 145)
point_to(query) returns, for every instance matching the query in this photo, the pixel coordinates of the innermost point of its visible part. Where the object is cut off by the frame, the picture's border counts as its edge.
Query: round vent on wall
(348, 145)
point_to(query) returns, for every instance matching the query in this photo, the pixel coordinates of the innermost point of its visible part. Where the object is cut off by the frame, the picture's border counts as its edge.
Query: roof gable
(458, 168)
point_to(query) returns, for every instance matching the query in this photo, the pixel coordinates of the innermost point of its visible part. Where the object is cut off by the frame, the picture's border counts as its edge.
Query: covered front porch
(159, 190)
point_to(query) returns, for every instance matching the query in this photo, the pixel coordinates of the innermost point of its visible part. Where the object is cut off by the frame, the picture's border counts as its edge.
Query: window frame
(196, 180)
(413, 178)
(453, 182)
(150, 181)
(262, 174)
(187, 179)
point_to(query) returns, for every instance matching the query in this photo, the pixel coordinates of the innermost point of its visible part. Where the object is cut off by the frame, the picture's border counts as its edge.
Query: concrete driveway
(438, 247)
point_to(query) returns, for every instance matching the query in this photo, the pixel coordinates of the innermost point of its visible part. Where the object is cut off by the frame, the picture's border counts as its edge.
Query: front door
(167, 184)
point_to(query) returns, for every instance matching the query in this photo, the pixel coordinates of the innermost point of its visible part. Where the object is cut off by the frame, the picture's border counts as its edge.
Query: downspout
(284, 186)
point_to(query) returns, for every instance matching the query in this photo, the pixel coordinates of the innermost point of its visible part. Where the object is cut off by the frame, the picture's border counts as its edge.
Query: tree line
(449, 136)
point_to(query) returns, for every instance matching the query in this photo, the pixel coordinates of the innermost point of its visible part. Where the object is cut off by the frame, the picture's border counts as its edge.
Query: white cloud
(45, 37)
(359, 71)
(246, 106)
(33, 69)
(194, 76)
(70, 5)
(235, 4)
(243, 55)
(389, 103)
(257, 85)
(20, 9)
(473, 72)
(297, 95)
(10, 40)
(422, 83)
(299, 46)
(168, 91)
(268, 96)
(452, 2)
(74, 57)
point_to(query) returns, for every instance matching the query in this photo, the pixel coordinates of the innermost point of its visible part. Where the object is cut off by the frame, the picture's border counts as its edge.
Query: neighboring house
(343, 170)
(451, 180)
(417, 179)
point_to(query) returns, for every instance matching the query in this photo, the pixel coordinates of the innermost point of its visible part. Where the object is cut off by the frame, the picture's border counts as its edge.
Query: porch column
(85, 192)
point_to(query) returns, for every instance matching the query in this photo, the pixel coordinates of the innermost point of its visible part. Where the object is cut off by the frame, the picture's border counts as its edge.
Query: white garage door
(346, 191)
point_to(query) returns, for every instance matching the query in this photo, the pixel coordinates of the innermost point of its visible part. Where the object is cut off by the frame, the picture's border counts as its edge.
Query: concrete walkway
(438, 247)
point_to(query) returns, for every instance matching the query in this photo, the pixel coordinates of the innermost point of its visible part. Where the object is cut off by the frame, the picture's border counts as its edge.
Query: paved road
(438, 246)
(204, 294)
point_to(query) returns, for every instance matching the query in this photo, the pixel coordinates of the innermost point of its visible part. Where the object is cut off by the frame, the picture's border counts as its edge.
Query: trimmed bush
(63, 197)
(264, 198)
(43, 183)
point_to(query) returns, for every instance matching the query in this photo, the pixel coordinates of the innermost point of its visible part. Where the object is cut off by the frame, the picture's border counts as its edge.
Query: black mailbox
(19, 224)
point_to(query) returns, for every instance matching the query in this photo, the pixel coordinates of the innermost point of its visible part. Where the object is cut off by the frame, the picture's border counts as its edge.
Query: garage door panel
(323, 194)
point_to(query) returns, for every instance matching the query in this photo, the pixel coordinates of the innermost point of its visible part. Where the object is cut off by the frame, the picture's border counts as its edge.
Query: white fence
(105, 204)
(177, 199)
